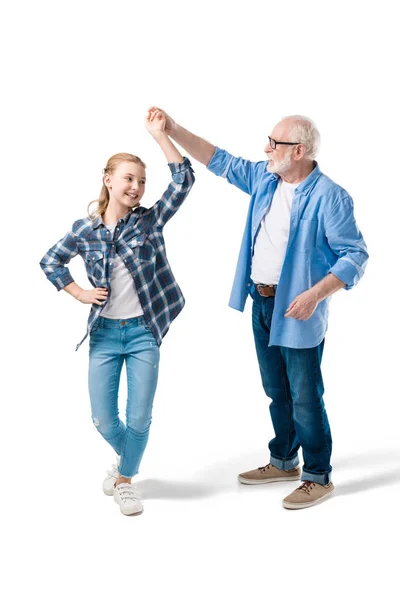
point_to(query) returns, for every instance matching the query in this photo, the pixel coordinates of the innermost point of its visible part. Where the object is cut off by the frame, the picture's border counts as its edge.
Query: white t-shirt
(272, 238)
(123, 302)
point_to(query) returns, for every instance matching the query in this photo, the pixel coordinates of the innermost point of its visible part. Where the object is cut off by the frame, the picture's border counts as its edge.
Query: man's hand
(93, 296)
(302, 306)
(155, 113)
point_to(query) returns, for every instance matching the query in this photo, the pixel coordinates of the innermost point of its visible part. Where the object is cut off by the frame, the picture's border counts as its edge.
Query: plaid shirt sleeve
(54, 261)
(175, 194)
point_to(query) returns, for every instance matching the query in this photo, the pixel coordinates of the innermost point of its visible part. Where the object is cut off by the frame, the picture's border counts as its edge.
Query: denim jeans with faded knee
(113, 342)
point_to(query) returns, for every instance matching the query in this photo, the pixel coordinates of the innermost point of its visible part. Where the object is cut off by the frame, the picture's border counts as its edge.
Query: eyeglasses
(274, 143)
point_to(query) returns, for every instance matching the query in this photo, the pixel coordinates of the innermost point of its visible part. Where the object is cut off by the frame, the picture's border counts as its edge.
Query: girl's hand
(170, 124)
(155, 122)
(93, 296)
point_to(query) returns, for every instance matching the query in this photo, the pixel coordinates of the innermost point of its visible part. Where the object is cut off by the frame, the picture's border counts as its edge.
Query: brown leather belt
(265, 290)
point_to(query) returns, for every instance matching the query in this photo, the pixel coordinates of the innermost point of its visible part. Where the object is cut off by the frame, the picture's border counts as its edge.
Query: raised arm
(181, 171)
(237, 171)
(194, 145)
(155, 124)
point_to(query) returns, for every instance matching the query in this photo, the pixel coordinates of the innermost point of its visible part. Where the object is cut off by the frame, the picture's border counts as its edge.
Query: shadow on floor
(372, 481)
(221, 477)
(175, 490)
(383, 458)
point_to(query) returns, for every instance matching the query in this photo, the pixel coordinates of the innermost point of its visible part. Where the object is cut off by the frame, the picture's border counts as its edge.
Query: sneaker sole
(294, 506)
(108, 492)
(270, 480)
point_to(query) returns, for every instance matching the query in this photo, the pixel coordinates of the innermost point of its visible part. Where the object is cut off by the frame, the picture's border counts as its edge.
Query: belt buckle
(266, 286)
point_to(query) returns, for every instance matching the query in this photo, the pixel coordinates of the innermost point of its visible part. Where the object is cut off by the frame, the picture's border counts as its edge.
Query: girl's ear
(107, 180)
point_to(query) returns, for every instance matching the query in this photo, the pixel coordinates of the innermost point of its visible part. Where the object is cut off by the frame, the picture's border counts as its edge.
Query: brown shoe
(269, 474)
(308, 494)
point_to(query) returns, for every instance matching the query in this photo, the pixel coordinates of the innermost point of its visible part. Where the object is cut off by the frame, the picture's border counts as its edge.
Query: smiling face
(126, 184)
(282, 157)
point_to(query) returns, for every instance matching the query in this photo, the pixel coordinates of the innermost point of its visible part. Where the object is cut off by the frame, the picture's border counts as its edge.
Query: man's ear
(300, 151)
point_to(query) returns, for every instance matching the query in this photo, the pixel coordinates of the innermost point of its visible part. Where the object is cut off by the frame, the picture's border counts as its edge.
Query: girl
(134, 299)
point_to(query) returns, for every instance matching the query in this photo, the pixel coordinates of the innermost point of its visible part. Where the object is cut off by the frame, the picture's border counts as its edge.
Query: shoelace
(262, 469)
(306, 486)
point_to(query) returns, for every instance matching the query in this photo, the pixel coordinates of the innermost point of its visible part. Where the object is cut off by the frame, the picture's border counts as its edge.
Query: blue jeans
(292, 379)
(111, 343)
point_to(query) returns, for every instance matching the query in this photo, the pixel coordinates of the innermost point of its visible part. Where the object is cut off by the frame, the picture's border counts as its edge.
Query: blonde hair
(110, 167)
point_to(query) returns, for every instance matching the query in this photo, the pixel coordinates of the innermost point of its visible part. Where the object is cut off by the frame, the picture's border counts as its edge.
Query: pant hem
(284, 464)
(321, 478)
(127, 476)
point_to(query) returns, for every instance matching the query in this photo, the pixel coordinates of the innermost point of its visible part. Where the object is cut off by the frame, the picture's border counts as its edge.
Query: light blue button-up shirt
(323, 238)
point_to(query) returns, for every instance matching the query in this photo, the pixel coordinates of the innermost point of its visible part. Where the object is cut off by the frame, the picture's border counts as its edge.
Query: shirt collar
(97, 221)
(305, 185)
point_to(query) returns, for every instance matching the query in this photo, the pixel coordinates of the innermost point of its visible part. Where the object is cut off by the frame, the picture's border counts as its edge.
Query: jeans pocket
(95, 331)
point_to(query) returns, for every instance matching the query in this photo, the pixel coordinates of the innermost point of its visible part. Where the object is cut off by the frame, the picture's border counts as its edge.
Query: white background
(77, 81)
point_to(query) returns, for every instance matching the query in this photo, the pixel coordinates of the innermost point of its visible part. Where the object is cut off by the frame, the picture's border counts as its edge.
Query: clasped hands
(304, 305)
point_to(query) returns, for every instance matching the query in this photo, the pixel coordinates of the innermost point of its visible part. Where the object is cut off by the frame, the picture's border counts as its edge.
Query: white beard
(283, 165)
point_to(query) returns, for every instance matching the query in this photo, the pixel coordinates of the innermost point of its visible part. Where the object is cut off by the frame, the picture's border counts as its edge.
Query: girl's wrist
(74, 289)
(159, 135)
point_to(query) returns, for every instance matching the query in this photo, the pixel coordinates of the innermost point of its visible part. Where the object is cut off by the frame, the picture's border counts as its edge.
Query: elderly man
(301, 244)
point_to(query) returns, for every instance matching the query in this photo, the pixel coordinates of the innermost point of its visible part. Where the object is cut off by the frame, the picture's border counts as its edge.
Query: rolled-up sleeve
(346, 241)
(54, 261)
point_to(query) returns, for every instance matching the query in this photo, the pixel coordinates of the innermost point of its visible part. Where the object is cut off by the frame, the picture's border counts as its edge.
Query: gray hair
(305, 132)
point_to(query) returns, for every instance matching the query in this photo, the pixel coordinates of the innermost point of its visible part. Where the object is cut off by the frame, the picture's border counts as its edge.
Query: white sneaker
(126, 496)
(112, 474)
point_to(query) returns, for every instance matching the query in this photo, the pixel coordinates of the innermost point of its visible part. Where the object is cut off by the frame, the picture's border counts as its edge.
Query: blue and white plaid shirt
(138, 240)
